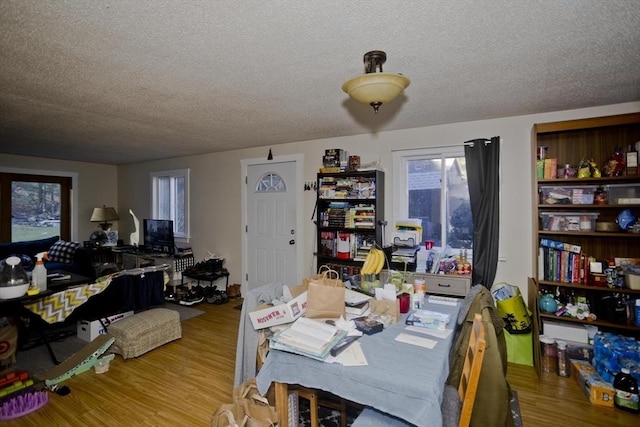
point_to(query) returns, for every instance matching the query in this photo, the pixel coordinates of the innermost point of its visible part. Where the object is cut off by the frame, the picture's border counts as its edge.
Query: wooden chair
(318, 398)
(471, 370)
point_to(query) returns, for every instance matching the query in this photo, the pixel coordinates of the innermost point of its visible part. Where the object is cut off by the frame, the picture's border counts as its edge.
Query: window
(39, 207)
(431, 184)
(170, 199)
(271, 182)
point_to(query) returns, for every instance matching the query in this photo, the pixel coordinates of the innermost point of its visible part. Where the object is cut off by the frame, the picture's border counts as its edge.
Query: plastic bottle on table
(39, 274)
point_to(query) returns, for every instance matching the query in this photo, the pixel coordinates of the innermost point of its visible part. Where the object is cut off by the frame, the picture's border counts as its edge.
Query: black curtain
(483, 161)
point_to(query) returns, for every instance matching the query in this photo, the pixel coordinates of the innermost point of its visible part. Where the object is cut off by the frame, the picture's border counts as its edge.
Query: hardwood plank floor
(184, 382)
(554, 400)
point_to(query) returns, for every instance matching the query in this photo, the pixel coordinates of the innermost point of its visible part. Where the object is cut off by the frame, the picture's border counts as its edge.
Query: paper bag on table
(325, 296)
(385, 307)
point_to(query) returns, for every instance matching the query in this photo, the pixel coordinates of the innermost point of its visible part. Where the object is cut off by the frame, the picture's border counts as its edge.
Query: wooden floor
(182, 383)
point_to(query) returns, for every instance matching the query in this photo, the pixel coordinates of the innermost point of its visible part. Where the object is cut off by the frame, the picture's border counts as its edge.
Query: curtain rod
(466, 143)
(470, 142)
(426, 148)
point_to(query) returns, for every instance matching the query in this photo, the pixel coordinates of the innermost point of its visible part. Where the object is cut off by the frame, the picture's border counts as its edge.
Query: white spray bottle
(39, 274)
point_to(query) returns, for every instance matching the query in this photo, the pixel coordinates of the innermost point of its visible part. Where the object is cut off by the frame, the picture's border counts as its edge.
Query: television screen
(158, 236)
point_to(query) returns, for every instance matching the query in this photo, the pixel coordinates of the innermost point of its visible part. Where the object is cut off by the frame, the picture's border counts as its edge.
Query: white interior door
(272, 224)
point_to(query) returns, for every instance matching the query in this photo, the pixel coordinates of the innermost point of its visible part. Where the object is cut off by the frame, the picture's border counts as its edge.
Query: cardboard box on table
(88, 330)
(268, 315)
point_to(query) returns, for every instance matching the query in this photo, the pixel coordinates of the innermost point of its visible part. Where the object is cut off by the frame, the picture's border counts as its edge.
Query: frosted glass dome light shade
(375, 88)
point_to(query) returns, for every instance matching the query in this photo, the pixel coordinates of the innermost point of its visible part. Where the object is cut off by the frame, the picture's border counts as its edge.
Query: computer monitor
(158, 236)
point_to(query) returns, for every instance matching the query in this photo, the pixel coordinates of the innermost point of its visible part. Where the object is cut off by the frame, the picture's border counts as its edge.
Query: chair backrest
(471, 370)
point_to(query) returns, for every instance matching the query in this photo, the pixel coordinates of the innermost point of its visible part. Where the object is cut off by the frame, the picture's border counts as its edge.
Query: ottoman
(145, 331)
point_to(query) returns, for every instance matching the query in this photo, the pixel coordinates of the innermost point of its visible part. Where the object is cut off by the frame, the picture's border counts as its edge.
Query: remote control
(337, 349)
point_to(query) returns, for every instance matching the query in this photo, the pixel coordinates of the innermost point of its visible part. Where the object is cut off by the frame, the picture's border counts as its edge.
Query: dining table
(401, 378)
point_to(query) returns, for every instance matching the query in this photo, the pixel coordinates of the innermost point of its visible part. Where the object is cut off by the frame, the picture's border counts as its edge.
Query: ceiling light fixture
(375, 87)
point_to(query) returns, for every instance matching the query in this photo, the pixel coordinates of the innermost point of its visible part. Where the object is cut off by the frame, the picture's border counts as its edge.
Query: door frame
(298, 159)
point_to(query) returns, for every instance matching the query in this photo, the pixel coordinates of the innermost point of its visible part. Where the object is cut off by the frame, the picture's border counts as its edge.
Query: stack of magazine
(428, 319)
(309, 338)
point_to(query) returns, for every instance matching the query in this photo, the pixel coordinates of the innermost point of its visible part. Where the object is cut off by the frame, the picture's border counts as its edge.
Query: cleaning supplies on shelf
(39, 275)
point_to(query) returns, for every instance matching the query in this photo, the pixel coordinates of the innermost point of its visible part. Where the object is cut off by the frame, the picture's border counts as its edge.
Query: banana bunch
(374, 262)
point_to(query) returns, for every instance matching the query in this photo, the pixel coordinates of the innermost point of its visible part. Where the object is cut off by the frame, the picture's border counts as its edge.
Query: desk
(16, 307)
(402, 380)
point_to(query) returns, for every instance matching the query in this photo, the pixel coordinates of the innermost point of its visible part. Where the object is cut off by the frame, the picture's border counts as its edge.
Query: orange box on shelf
(550, 168)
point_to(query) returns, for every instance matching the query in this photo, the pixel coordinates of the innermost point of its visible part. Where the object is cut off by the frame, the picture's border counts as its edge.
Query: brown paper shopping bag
(325, 296)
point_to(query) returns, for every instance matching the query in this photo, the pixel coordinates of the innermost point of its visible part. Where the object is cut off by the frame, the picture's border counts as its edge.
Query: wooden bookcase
(570, 142)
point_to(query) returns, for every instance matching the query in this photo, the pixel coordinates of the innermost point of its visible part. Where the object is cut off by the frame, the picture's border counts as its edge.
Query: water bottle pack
(612, 352)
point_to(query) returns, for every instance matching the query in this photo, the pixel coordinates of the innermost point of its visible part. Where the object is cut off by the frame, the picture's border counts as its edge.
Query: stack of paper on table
(308, 337)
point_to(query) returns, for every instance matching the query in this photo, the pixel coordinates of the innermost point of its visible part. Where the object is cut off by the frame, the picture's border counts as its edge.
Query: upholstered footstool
(145, 331)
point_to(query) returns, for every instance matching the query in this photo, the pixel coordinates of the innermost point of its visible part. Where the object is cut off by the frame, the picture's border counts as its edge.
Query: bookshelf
(570, 211)
(349, 210)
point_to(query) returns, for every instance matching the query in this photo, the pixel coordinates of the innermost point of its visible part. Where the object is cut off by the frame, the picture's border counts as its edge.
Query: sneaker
(218, 297)
(214, 298)
(223, 298)
(191, 298)
(169, 295)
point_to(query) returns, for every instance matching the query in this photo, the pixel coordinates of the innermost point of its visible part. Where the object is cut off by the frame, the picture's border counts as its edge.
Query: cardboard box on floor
(88, 330)
(597, 390)
(268, 315)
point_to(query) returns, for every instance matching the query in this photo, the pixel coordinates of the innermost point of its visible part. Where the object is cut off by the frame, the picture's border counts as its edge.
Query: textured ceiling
(124, 81)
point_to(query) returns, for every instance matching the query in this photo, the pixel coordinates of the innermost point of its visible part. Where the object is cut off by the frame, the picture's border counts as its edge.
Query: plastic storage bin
(568, 221)
(624, 194)
(553, 195)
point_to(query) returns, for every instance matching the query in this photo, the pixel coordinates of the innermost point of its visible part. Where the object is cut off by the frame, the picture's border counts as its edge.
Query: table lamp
(102, 215)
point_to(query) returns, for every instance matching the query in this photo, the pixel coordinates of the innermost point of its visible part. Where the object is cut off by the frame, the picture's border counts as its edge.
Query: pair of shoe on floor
(217, 297)
(184, 297)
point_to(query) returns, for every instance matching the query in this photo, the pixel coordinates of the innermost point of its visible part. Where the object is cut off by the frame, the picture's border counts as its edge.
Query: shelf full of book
(579, 246)
(349, 212)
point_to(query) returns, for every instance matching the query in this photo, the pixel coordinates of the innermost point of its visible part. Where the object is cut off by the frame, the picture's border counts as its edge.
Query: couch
(67, 256)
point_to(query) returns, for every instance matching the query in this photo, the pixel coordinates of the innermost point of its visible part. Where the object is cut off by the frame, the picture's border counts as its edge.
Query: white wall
(216, 222)
(217, 225)
(97, 185)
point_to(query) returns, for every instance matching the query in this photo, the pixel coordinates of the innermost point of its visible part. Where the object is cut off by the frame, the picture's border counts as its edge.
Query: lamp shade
(104, 214)
(375, 87)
